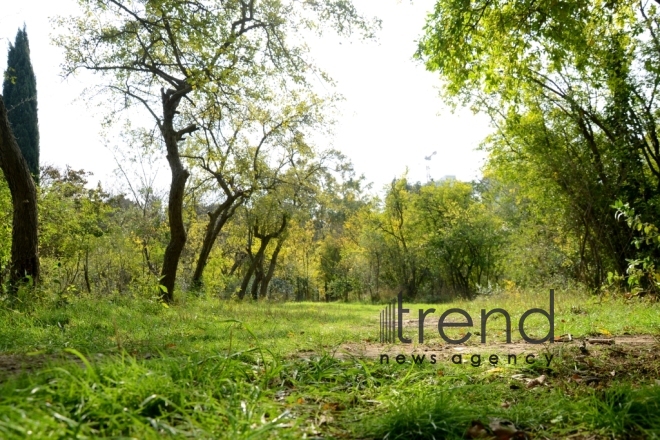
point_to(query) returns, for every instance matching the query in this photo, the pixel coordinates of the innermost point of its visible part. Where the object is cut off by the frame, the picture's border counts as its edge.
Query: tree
(248, 151)
(340, 220)
(24, 240)
(462, 238)
(20, 93)
(404, 258)
(572, 88)
(181, 59)
(262, 228)
(542, 242)
(291, 196)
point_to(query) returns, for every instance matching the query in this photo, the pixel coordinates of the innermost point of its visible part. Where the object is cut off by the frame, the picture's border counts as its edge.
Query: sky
(391, 117)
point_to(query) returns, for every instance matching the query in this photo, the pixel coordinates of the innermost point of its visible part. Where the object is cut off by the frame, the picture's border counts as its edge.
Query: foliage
(438, 239)
(19, 90)
(570, 87)
(641, 276)
(5, 229)
(194, 62)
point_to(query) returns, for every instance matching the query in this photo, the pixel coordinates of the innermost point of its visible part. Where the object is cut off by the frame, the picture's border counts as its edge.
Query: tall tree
(20, 93)
(249, 151)
(24, 243)
(572, 88)
(179, 60)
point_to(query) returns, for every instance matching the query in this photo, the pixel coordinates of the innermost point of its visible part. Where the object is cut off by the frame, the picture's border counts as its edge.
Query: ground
(128, 367)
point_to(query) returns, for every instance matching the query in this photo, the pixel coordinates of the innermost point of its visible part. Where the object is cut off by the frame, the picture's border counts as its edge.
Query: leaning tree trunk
(252, 269)
(258, 278)
(171, 137)
(24, 240)
(271, 270)
(217, 220)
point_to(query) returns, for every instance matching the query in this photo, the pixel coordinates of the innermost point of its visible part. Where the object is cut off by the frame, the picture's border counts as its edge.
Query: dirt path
(371, 350)
(12, 364)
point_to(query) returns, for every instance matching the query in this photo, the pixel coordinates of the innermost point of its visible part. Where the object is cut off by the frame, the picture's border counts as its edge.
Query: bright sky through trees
(391, 117)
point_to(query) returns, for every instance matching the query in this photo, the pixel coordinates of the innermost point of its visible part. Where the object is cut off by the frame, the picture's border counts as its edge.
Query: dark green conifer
(19, 91)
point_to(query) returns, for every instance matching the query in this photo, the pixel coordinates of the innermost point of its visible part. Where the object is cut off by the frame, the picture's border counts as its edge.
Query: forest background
(567, 196)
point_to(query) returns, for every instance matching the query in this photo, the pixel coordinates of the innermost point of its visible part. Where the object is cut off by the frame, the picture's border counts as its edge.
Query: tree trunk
(271, 270)
(24, 241)
(207, 245)
(258, 277)
(171, 99)
(253, 267)
(257, 262)
(238, 261)
(247, 276)
(217, 220)
(86, 271)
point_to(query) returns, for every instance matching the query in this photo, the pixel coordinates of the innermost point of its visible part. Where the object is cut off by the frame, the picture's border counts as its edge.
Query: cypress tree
(19, 90)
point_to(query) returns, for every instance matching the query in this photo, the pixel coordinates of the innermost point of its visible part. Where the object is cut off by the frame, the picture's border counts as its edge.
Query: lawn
(127, 367)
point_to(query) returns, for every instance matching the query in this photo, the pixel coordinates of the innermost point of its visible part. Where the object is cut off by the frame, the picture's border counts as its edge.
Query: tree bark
(253, 267)
(86, 271)
(271, 270)
(258, 276)
(171, 100)
(238, 261)
(217, 220)
(24, 242)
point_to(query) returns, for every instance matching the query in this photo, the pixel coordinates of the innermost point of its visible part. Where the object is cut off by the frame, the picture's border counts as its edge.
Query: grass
(126, 367)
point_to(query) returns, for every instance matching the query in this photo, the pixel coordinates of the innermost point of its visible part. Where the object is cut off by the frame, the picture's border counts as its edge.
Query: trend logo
(391, 323)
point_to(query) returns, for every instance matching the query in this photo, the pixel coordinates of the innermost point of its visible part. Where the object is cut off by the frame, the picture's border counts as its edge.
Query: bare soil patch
(14, 364)
(373, 350)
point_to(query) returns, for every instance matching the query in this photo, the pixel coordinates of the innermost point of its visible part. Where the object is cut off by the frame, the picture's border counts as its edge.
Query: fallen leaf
(536, 382)
(477, 430)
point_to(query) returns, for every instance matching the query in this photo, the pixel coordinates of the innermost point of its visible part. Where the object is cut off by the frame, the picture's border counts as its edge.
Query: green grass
(125, 367)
